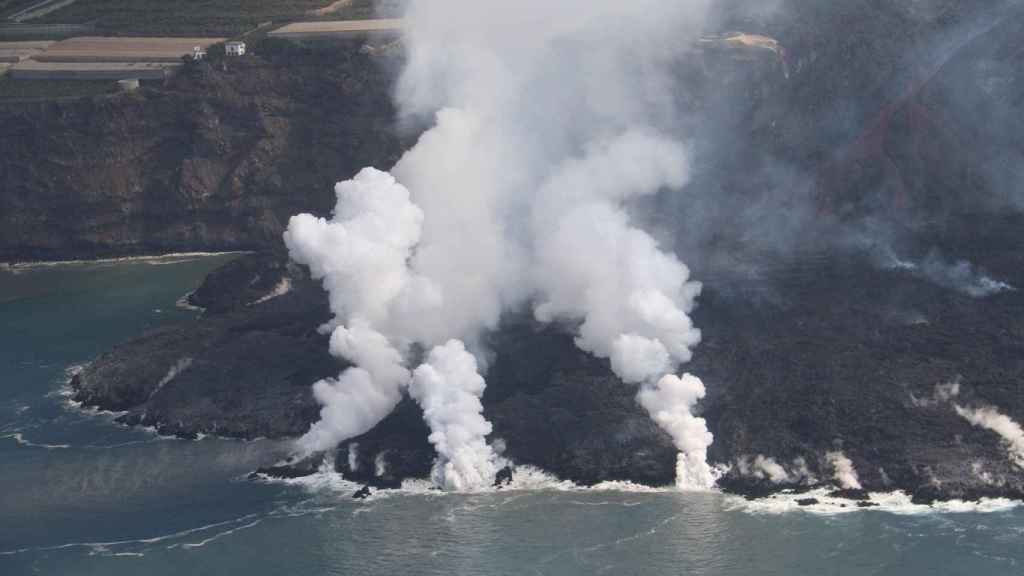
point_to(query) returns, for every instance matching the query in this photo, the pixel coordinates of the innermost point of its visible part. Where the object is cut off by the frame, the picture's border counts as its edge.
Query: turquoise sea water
(82, 495)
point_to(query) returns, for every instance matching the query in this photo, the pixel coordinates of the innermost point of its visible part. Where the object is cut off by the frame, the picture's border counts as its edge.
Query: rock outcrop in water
(903, 125)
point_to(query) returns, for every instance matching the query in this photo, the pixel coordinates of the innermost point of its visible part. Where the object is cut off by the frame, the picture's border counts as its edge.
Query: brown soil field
(99, 49)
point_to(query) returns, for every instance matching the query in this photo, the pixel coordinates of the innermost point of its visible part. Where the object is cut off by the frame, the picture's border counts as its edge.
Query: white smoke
(801, 472)
(844, 473)
(767, 468)
(177, 368)
(943, 393)
(353, 457)
(960, 275)
(360, 254)
(948, 390)
(764, 468)
(990, 418)
(670, 403)
(548, 120)
(448, 387)
(283, 287)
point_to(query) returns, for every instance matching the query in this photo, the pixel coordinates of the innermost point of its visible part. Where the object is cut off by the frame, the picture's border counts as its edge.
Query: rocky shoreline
(825, 358)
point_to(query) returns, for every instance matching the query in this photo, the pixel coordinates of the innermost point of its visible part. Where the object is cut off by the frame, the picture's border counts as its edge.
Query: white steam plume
(549, 120)
(360, 254)
(448, 387)
(765, 468)
(353, 457)
(177, 368)
(991, 419)
(844, 473)
(669, 403)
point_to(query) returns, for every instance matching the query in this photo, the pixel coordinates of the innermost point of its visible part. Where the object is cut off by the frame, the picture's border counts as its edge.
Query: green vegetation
(11, 6)
(181, 18)
(53, 89)
(362, 9)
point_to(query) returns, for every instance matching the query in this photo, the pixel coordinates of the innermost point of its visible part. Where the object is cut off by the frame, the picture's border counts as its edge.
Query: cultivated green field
(53, 89)
(196, 17)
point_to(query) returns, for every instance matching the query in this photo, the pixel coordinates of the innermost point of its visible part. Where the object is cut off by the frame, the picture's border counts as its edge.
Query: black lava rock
(503, 477)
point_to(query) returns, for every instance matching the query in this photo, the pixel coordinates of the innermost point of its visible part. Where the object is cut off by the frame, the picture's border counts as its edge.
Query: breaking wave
(896, 502)
(525, 478)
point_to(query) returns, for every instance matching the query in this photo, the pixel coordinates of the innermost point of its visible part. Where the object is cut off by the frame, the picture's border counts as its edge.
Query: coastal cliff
(217, 159)
(894, 276)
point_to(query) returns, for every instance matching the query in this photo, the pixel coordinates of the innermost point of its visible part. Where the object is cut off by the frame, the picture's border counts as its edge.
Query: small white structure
(235, 48)
(128, 84)
(198, 53)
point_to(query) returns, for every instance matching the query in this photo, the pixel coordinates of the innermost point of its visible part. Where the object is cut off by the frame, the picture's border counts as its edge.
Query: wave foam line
(200, 544)
(22, 441)
(525, 479)
(152, 540)
(896, 502)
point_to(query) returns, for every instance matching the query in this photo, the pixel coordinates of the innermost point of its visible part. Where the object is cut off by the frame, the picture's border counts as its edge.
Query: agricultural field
(52, 89)
(201, 17)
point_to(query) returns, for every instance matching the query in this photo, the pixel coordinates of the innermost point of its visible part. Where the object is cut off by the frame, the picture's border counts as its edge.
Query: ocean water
(82, 495)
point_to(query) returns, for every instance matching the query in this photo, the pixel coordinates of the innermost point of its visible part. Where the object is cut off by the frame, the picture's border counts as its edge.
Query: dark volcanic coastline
(848, 360)
(903, 204)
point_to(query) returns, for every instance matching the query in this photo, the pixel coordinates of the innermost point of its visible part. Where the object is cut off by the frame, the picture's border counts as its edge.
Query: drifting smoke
(844, 473)
(987, 417)
(353, 457)
(283, 287)
(766, 468)
(801, 472)
(943, 393)
(990, 418)
(549, 119)
(961, 275)
(172, 373)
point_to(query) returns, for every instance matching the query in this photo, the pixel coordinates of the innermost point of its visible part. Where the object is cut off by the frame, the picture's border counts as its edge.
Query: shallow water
(81, 495)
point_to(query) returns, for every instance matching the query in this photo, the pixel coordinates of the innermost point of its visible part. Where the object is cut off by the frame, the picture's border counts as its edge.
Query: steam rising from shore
(449, 388)
(990, 418)
(548, 120)
(844, 473)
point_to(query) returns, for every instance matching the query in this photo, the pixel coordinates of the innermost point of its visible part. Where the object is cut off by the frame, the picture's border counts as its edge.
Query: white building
(235, 48)
(198, 53)
(128, 84)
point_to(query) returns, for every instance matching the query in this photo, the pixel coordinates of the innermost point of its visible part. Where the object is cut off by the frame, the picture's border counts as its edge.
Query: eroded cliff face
(217, 159)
